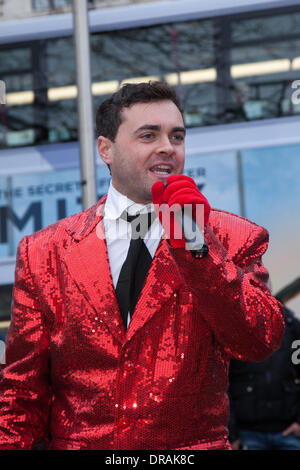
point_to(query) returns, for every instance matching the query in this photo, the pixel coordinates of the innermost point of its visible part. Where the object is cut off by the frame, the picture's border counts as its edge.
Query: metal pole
(10, 231)
(241, 184)
(85, 104)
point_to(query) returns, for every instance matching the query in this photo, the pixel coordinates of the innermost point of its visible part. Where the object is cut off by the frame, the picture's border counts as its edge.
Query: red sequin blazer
(75, 380)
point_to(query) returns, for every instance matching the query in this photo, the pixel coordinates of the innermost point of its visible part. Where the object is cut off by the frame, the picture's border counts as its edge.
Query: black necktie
(135, 267)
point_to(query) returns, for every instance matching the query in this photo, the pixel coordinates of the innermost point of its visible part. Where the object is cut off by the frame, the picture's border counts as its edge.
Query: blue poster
(272, 195)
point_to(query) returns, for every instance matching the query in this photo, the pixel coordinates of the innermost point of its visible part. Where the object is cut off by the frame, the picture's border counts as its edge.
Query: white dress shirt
(118, 230)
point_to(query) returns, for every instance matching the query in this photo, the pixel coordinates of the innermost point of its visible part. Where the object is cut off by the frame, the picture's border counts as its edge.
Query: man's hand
(180, 190)
(293, 428)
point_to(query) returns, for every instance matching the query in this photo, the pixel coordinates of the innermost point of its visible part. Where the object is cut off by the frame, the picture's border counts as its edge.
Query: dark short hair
(109, 113)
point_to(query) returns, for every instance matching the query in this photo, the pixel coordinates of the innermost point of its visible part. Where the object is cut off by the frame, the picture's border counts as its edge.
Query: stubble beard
(136, 187)
(142, 195)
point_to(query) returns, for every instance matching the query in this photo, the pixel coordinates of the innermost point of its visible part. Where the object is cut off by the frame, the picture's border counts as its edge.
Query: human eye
(147, 136)
(178, 138)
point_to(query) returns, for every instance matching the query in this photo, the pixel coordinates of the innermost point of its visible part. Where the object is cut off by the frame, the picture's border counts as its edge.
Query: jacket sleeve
(233, 295)
(24, 385)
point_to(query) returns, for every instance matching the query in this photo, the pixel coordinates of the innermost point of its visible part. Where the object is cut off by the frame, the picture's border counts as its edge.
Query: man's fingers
(157, 192)
(287, 431)
(179, 186)
(172, 178)
(290, 429)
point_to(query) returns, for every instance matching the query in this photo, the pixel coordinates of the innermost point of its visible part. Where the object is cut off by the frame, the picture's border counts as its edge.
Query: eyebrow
(153, 127)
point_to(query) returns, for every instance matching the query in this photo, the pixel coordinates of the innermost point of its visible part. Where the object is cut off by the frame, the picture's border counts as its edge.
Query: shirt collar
(116, 203)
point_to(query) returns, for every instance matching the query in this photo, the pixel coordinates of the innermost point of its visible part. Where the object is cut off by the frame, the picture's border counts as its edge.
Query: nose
(165, 146)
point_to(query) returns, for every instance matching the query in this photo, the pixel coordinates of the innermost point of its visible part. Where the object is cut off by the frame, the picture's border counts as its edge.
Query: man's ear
(104, 148)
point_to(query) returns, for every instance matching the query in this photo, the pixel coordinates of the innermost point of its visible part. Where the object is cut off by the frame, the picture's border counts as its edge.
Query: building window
(17, 117)
(183, 54)
(225, 70)
(264, 60)
(42, 5)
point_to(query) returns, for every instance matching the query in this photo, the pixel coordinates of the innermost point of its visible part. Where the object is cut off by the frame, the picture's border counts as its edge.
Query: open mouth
(161, 170)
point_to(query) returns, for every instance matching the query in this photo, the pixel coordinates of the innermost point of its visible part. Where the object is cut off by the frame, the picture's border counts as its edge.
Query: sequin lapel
(88, 264)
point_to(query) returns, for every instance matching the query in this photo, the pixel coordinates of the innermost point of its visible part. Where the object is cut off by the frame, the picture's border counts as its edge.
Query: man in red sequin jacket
(76, 376)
